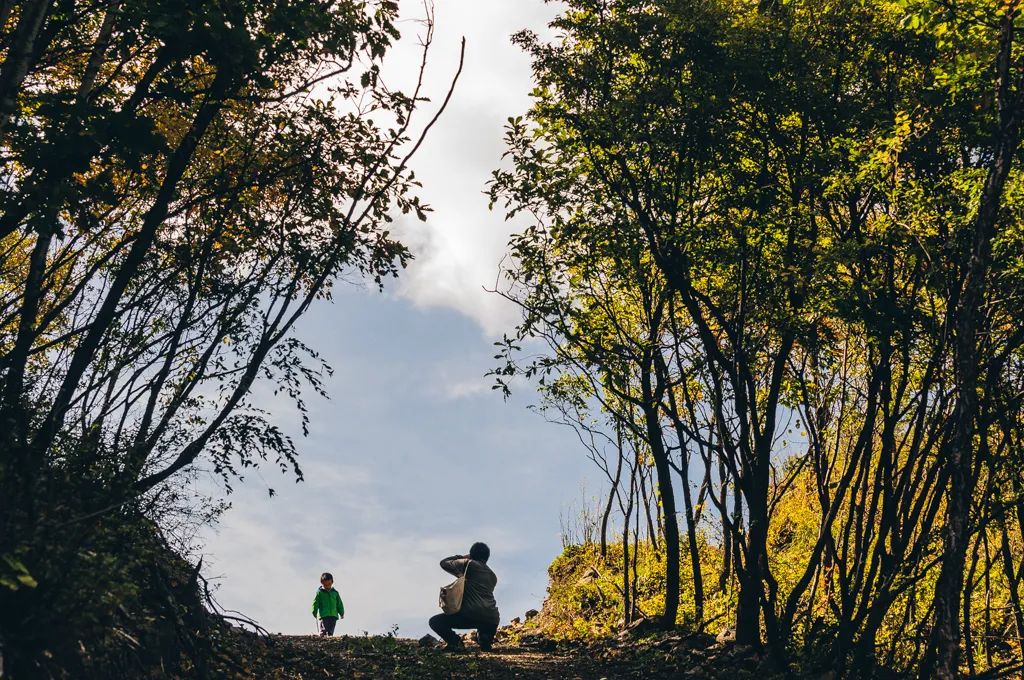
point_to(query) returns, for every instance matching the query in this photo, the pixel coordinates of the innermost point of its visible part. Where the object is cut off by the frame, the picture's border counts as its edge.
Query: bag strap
(466, 573)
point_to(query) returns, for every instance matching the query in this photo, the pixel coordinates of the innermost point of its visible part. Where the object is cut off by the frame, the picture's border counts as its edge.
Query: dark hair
(326, 576)
(480, 552)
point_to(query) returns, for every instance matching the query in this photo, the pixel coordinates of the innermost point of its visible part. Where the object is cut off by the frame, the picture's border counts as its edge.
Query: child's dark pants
(327, 624)
(442, 624)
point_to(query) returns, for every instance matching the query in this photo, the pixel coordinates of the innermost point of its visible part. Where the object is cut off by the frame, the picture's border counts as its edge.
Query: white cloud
(413, 458)
(467, 388)
(456, 378)
(459, 249)
(386, 576)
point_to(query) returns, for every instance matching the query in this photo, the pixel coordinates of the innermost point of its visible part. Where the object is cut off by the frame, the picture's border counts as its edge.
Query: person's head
(326, 579)
(480, 552)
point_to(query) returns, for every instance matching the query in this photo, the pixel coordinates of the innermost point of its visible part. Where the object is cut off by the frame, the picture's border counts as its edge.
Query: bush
(585, 593)
(113, 601)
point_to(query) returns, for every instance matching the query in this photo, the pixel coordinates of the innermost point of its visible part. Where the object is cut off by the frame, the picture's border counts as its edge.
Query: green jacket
(328, 603)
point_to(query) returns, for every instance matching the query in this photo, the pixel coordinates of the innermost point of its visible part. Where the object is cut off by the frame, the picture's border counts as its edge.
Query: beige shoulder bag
(451, 594)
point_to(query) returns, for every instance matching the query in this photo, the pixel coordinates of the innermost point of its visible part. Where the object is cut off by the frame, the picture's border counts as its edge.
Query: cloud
(414, 457)
(458, 378)
(467, 388)
(386, 576)
(401, 592)
(458, 250)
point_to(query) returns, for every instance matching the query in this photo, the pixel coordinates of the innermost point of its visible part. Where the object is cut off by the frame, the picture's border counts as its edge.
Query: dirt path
(529, 664)
(381, 657)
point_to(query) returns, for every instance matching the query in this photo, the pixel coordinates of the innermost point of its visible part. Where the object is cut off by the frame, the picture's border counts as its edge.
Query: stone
(669, 642)
(427, 641)
(727, 635)
(530, 613)
(516, 621)
(546, 645)
(640, 628)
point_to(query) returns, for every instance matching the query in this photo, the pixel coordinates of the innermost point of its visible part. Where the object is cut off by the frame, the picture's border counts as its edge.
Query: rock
(589, 576)
(546, 645)
(669, 642)
(427, 641)
(531, 613)
(727, 635)
(698, 641)
(640, 628)
(516, 621)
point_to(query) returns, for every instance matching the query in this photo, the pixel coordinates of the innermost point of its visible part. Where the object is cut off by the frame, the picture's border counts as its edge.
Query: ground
(282, 657)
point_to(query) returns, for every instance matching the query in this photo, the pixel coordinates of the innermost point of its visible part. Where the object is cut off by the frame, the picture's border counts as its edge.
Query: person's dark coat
(478, 599)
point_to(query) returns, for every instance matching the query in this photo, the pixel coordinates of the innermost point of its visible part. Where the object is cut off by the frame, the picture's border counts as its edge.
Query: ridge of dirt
(285, 657)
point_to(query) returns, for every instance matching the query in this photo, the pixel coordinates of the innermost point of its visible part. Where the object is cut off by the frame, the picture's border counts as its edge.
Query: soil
(282, 657)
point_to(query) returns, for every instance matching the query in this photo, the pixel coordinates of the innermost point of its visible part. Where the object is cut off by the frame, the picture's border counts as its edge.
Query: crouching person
(479, 610)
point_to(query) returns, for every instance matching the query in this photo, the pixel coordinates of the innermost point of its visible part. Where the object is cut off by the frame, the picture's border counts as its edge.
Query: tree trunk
(611, 494)
(1009, 572)
(19, 57)
(691, 538)
(648, 499)
(684, 478)
(668, 501)
(627, 605)
(671, 522)
(942, 660)
(727, 535)
(748, 608)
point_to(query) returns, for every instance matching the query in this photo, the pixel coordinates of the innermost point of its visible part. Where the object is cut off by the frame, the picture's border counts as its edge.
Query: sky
(414, 457)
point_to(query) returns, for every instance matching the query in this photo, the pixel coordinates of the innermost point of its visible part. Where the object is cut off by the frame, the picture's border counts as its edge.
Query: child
(327, 603)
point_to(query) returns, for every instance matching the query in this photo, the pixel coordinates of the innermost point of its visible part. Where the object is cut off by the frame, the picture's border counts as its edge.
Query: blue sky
(414, 457)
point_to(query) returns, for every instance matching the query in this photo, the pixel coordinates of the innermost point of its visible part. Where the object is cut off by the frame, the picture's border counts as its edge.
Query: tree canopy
(782, 231)
(180, 182)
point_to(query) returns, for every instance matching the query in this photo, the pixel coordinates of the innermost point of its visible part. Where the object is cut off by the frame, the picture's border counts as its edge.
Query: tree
(720, 172)
(815, 185)
(182, 180)
(602, 312)
(990, 32)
